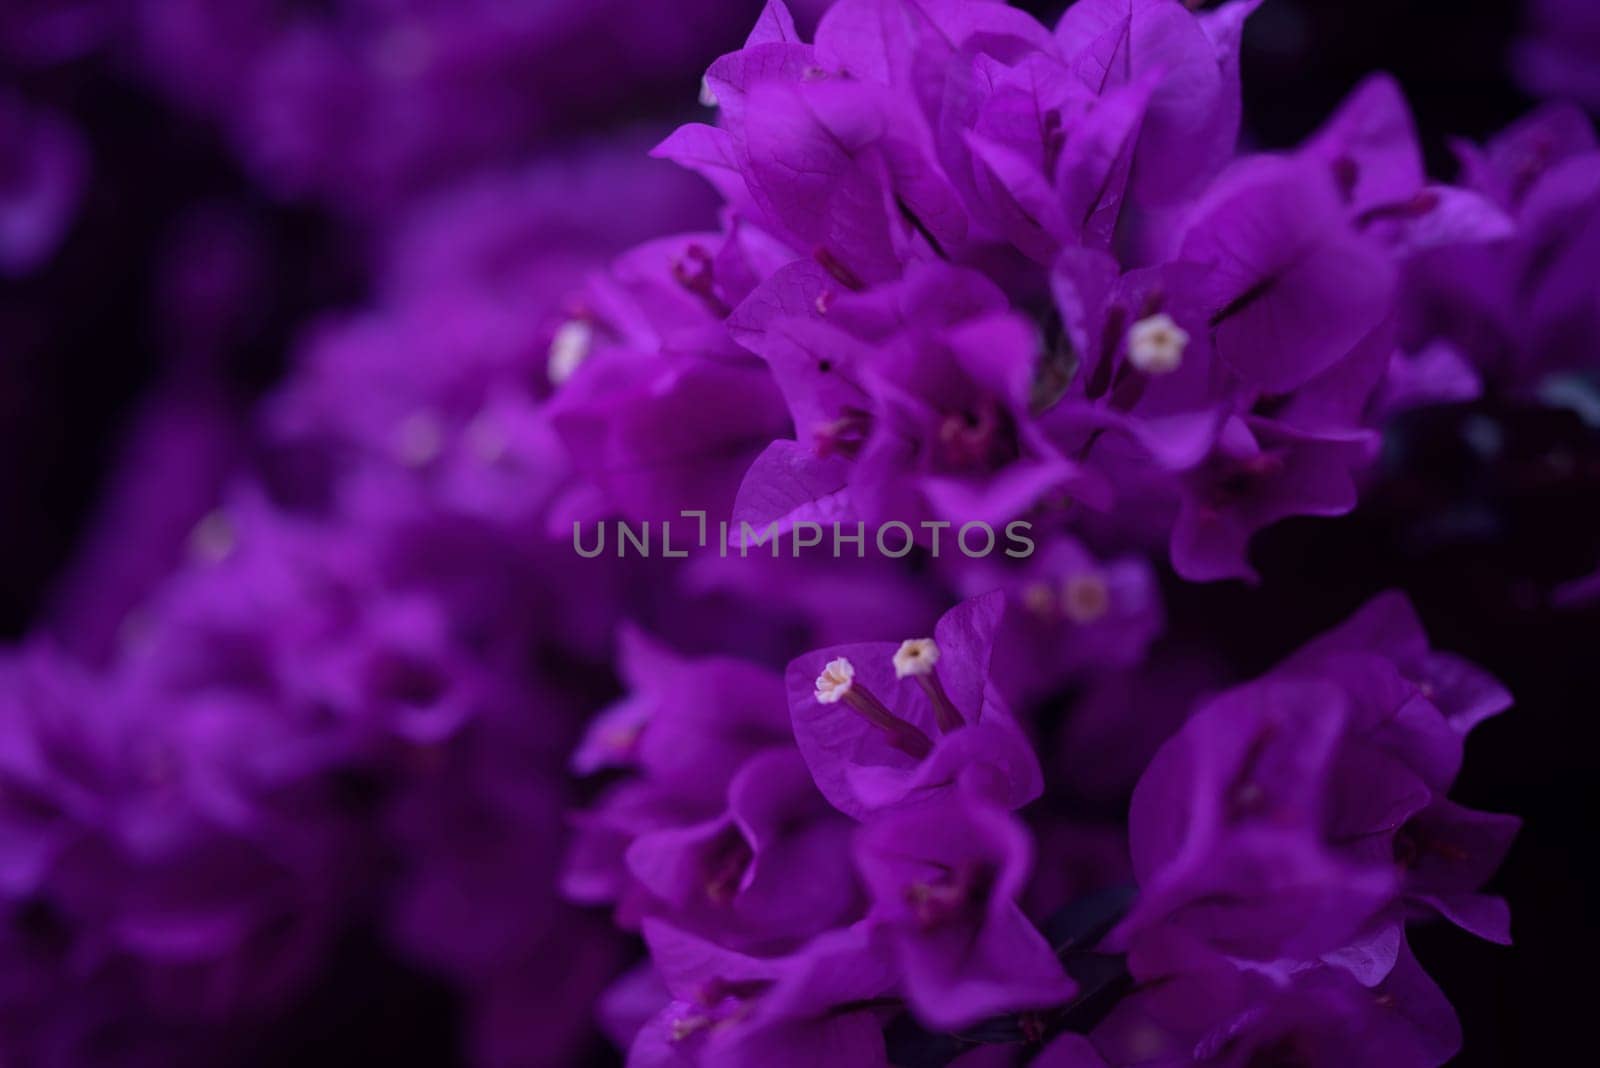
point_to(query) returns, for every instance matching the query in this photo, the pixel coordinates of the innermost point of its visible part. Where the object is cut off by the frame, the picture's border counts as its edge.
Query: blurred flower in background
(364, 104)
(46, 170)
(1558, 55)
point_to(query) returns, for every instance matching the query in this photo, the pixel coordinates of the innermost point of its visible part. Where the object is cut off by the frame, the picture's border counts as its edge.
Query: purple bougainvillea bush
(717, 614)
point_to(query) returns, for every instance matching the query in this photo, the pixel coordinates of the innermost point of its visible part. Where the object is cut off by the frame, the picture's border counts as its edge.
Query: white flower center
(405, 52)
(568, 349)
(1156, 345)
(1085, 598)
(1039, 599)
(487, 438)
(835, 681)
(421, 439)
(708, 98)
(213, 539)
(916, 656)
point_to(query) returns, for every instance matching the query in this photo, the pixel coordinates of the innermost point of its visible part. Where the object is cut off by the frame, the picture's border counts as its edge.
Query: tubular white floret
(915, 659)
(1085, 598)
(421, 439)
(835, 681)
(1156, 345)
(916, 656)
(214, 538)
(838, 683)
(568, 349)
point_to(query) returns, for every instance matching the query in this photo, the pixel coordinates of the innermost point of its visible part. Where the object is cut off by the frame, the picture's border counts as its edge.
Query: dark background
(87, 343)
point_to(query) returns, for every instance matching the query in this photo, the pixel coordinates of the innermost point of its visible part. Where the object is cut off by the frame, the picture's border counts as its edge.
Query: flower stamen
(1085, 598)
(568, 349)
(845, 436)
(421, 439)
(915, 659)
(1156, 345)
(837, 683)
(214, 538)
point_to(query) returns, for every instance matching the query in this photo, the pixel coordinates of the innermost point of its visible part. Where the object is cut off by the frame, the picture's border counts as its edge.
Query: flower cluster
(999, 273)
(804, 884)
(1283, 838)
(954, 269)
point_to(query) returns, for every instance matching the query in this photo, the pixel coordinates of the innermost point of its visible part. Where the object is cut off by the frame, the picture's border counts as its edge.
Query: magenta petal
(1370, 146)
(790, 484)
(1293, 289)
(956, 981)
(1070, 1051)
(775, 25)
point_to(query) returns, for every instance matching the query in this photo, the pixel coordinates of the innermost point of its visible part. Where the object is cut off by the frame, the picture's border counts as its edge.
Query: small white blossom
(421, 439)
(835, 681)
(916, 656)
(1156, 345)
(213, 539)
(1085, 598)
(568, 349)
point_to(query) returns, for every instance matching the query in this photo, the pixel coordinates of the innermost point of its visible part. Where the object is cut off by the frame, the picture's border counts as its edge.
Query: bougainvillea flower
(729, 1008)
(1194, 1008)
(912, 402)
(1147, 367)
(1330, 773)
(876, 732)
(772, 869)
(1448, 853)
(944, 879)
(658, 410)
(1521, 308)
(1192, 123)
(1370, 147)
(1292, 288)
(1262, 472)
(1433, 686)
(689, 724)
(1226, 828)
